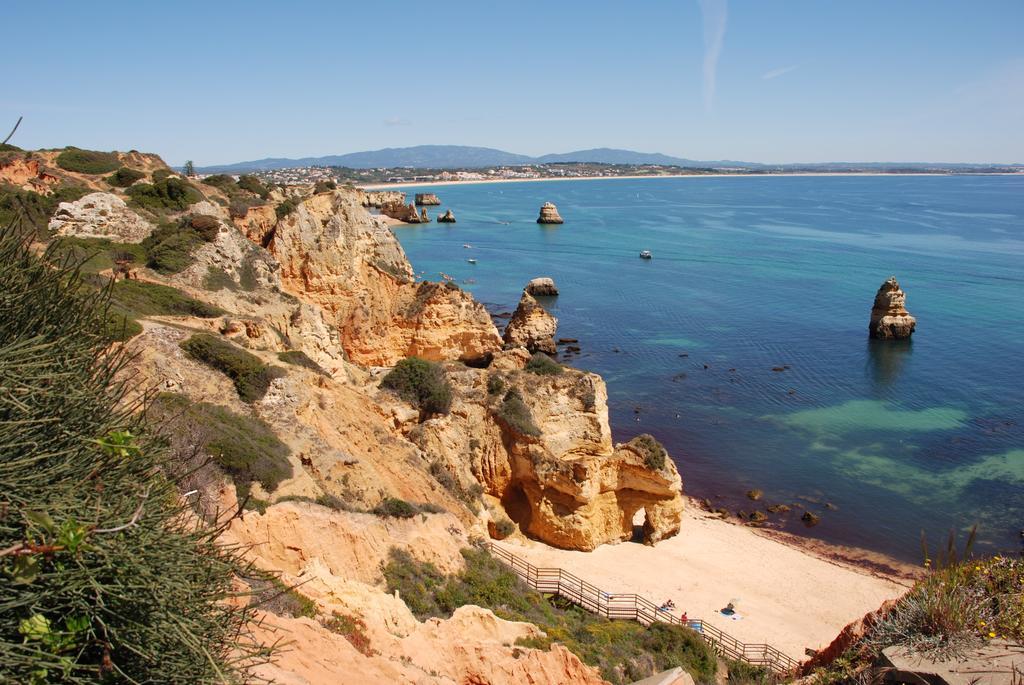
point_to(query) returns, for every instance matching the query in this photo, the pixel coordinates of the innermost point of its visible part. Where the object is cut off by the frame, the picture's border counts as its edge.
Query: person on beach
(685, 619)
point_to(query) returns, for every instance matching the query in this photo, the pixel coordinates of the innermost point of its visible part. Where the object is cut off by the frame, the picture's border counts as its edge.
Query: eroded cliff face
(331, 281)
(258, 224)
(337, 558)
(542, 448)
(335, 255)
(27, 174)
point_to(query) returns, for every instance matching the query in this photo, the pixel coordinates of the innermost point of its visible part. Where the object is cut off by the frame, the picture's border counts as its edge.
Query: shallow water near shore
(881, 440)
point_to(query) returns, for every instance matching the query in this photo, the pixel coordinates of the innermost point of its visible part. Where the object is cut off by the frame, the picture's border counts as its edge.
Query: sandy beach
(788, 596)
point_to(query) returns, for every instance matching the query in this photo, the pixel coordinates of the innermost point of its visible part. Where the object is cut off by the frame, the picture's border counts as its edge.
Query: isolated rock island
(890, 319)
(427, 199)
(542, 286)
(549, 214)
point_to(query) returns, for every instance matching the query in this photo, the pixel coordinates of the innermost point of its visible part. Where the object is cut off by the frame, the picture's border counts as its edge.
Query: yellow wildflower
(991, 634)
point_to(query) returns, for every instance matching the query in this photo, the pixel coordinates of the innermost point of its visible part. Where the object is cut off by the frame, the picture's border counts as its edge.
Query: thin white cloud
(397, 121)
(775, 73)
(716, 14)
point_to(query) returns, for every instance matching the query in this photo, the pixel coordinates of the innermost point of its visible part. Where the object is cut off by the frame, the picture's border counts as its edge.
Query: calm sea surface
(883, 440)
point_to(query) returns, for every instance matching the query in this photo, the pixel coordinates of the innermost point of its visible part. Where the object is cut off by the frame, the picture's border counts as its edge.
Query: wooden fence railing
(556, 581)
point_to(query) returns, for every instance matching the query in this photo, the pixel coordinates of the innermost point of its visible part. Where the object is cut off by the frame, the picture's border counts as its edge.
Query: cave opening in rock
(517, 505)
(639, 520)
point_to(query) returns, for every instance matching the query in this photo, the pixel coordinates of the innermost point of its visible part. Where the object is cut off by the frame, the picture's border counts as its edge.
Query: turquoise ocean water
(883, 440)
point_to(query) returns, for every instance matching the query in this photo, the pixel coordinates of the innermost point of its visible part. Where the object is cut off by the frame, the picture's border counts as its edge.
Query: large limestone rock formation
(427, 199)
(335, 255)
(100, 215)
(446, 218)
(549, 214)
(379, 198)
(890, 319)
(531, 327)
(435, 321)
(406, 213)
(542, 448)
(543, 286)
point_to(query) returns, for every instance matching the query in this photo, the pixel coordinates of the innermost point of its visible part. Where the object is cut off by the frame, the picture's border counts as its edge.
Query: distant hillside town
(385, 175)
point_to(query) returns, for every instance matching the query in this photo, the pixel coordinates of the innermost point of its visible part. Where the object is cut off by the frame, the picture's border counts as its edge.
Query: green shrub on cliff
(243, 446)
(105, 577)
(422, 384)
(543, 365)
(222, 181)
(238, 207)
(516, 414)
(653, 452)
(168, 194)
(250, 375)
(142, 298)
(286, 208)
(129, 299)
(87, 161)
(271, 594)
(253, 185)
(624, 651)
(97, 254)
(392, 507)
(300, 358)
(124, 177)
(495, 384)
(170, 246)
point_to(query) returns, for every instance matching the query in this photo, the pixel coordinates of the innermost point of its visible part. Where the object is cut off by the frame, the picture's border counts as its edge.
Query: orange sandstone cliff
(329, 282)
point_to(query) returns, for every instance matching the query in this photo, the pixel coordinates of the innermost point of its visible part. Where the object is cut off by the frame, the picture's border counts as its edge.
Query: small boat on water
(471, 261)
(645, 254)
(468, 246)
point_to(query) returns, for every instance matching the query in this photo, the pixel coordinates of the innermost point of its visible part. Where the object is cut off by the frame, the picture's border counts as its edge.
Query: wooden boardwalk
(617, 605)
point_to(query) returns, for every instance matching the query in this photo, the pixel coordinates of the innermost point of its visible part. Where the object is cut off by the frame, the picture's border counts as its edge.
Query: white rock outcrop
(100, 215)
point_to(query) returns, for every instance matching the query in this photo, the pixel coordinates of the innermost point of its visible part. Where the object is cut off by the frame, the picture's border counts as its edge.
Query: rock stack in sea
(400, 211)
(379, 198)
(549, 214)
(542, 286)
(446, 218)
(427, 199)
(424, 219)
(890, 319)
(531, 327)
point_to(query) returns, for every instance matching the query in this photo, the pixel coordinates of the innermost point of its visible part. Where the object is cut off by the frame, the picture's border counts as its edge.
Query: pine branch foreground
(105, 574)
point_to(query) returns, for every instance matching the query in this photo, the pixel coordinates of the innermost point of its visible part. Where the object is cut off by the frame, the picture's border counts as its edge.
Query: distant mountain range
(458, 156)
(464, 156)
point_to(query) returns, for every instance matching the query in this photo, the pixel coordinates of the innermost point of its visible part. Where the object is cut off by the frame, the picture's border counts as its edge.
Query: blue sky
(800, 80)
